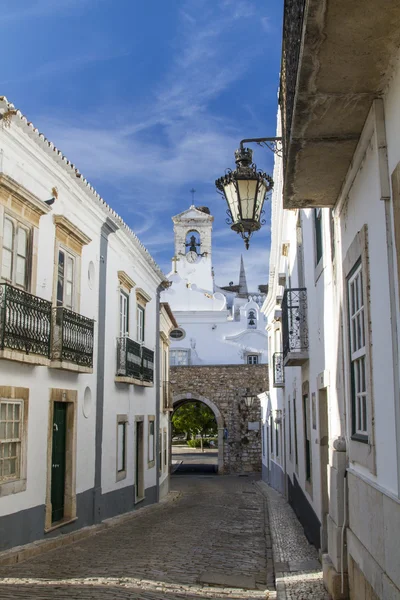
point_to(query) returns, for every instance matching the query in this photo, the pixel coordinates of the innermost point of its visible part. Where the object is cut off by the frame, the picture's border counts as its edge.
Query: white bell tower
(192, 260)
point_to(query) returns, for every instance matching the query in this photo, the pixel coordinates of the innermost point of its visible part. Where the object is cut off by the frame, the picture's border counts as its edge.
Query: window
(14, 265)
(151, 440)
(252, 359)
(307, 435)
(290, 428)
(179, 357)
(177, 334)
(123, 314)
(165, 449)
(160, 450)
(271, 431)
(357, 352)
(252, 319)
(140, 323)
(263, 438)
(277, 439)
(296, 453)
(122, 422)
(318, 234)
(11, 420)
(65, 279)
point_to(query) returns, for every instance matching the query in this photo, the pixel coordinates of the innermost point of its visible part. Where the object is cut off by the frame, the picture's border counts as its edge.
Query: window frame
(318, 236)
(69, 255)
(165, 450)
(7, 441)
(357, 356)
(17, 224)
(172, 363)
(140, 323)
(17, 484)
(151, 457)
(123, 294)
(121, 473)
(160, 454)
(361, 450)
(252, 356)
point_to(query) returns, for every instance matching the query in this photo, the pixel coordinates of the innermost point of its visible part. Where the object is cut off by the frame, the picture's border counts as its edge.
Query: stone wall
(225, 386)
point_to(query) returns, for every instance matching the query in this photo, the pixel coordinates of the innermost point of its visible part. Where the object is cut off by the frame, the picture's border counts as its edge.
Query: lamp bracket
(273, 143)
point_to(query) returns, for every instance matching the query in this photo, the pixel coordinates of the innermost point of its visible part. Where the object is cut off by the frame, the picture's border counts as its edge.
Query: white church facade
(217, 325)
(218, 351)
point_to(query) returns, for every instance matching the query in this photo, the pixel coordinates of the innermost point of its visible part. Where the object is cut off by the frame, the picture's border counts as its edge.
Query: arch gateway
(223, 388)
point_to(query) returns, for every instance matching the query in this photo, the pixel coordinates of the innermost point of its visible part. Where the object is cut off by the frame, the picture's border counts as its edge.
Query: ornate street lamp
(248, 400)
(244, 190)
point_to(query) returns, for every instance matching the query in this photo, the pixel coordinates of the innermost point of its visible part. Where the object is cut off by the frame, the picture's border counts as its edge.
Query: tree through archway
(196, 421)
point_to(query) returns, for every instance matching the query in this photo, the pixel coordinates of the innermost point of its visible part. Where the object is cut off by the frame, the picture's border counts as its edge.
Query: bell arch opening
(186, 398)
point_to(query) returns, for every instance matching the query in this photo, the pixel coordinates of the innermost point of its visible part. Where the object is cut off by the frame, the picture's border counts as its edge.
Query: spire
(242, 280)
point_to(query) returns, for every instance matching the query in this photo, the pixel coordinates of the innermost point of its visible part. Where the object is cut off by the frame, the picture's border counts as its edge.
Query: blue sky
(149, 98)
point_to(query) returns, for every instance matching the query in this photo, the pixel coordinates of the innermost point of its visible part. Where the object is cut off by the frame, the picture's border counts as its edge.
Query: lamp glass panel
(247, 193)
(232, 200)
(261, 191)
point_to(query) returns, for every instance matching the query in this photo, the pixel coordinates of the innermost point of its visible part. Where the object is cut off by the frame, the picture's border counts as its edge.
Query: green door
(58, 461)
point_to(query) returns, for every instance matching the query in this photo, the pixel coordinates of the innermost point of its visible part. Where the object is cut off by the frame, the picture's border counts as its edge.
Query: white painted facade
(218, 325)
(103, 403)
(352, 478)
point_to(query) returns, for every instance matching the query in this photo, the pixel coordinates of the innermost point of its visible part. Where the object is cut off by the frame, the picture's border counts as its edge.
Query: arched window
(193, 242)
(252, 319)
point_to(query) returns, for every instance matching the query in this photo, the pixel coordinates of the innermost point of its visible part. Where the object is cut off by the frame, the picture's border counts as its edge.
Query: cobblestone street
(212, 535)
(298, 571)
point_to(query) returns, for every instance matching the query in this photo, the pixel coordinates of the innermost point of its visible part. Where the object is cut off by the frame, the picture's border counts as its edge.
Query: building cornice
(20, 120)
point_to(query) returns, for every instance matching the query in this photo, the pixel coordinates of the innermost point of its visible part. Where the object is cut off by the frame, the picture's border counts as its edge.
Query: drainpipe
(106, 229)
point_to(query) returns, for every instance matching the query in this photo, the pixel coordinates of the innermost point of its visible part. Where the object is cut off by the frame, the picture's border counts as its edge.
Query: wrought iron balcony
(25, 321)
(278, 369)
(129, 358)
(72, 337)
(295, 327)
(147, 365)
(166, 395)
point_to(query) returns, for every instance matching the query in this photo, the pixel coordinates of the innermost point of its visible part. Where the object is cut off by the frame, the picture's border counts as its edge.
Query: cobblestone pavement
(213, 533)
(298, 571)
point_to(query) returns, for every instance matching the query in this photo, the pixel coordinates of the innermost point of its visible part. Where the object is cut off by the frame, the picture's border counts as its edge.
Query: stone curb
(279, 585)
(22, 553)
(270, 574)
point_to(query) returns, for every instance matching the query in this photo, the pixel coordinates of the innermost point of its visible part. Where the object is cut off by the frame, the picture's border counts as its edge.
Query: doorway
(61, 458)
(324, 464)
(58, 461)
(139, 461)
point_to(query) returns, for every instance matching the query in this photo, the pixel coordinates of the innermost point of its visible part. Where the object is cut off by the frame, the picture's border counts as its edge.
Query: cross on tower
(193, 191)
(175, 259)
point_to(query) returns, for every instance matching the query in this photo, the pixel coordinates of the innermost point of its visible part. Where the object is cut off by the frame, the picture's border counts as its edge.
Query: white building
(217, 325)
(331, 422)
(80, 345)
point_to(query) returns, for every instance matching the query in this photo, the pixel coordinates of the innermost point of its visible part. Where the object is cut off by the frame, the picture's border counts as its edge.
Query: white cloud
(149, 153)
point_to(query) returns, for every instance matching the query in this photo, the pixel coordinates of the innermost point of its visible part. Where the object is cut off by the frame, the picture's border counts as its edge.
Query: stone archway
(182, 398)
(238, 425)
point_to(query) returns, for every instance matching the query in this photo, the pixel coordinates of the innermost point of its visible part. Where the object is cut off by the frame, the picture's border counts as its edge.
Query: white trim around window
(357, 350)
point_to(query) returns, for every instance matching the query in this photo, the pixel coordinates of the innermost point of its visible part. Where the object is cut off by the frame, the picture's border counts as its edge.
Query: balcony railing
(166, 395)
(25, 321)
(295, 327)
(291, 43)
(129, 358)
(147, 365)
(73, 337)
(134, 361)
(278, 369)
